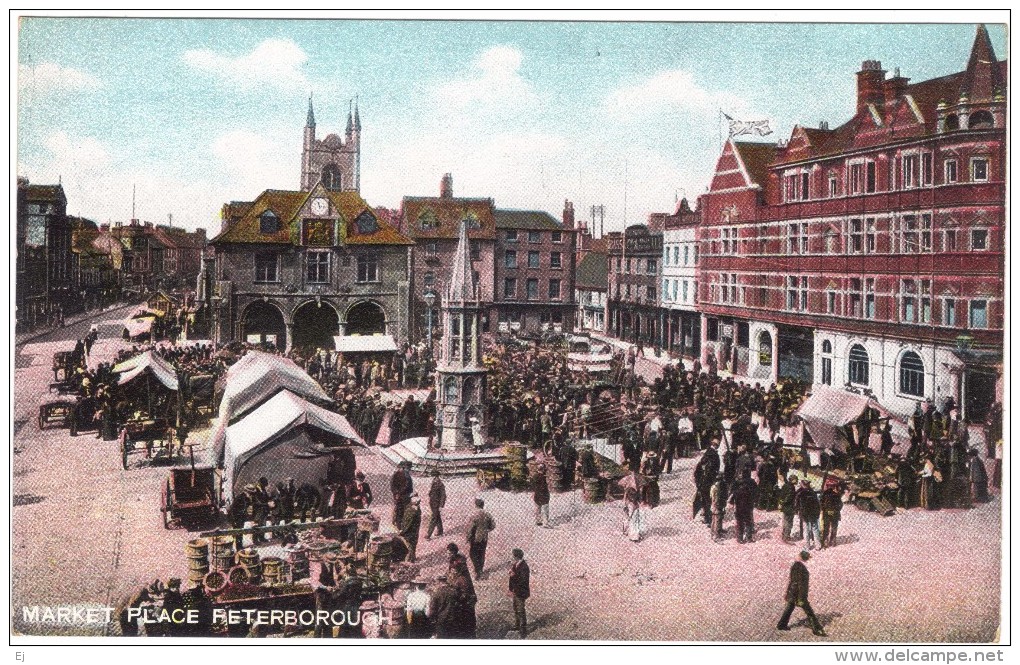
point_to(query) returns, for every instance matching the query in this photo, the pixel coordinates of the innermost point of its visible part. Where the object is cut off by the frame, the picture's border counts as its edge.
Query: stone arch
(980, 120)
(952, 122)
(365, 317)
(766, 350)
(264, 321)
(315, 324)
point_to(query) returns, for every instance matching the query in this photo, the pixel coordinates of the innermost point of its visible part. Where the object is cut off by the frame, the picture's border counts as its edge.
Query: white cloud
(255, 162)
(494, 82)
(82, 156)
(669, 91)
(38, 80)
(274, 62)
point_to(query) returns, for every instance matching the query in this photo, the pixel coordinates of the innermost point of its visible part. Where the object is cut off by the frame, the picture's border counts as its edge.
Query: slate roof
(527, 220)
(593, 272)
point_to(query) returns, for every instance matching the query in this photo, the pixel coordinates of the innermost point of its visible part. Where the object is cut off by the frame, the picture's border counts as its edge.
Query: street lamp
(430, 301)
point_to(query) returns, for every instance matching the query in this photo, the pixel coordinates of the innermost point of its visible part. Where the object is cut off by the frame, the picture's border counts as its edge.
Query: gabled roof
(179, 238)
(593, 272)
(527, 220)
(418, 213)
(755, 158)
(288, 206)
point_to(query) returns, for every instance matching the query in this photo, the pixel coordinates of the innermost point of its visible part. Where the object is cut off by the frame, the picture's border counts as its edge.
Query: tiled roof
(528, 220)
(288, 206)
(179, 238)
(593, 272)
(756, 158)
(446, 213)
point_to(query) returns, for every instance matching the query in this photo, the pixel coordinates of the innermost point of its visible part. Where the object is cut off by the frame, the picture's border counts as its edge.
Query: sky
(191, 113)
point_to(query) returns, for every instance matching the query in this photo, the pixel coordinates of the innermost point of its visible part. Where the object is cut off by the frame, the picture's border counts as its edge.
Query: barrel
(197, 549)
(222, 544)
(197, 570)
(215, 581)
(380, 552)
(393, 619)
(297, 557)
(272, 570)
(249, 558)
(594, 490)
(197, 552)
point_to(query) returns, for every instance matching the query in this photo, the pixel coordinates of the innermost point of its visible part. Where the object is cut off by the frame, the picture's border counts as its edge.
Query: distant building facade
(634, 277)
(682, 327)
(43, 267)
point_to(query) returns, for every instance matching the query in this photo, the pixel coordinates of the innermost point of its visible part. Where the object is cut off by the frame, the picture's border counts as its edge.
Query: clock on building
(319, 206)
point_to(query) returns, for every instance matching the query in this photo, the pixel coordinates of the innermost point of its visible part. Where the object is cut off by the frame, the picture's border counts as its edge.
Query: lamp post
(430, 301)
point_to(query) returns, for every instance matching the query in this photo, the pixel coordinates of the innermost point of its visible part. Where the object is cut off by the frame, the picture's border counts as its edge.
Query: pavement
(86, 531)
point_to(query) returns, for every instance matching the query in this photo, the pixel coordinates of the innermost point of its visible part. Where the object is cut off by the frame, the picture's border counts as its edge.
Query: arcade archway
(315, 324)
(366, 318)
(262, 322)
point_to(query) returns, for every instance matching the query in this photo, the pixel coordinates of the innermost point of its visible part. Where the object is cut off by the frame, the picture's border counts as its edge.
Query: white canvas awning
(283, 438)
(136, 327)
(148, 361)
(591, 362)
(364, 343)
(827, 409)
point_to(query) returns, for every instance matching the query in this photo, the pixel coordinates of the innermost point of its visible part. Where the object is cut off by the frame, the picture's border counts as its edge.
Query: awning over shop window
(365, 343)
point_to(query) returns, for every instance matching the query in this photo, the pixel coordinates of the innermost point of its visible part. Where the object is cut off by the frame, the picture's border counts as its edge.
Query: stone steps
(448, 462)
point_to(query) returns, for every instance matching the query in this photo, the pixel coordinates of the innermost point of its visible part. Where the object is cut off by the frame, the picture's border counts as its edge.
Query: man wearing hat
(520, 589)
(787, 498)
(401, 485)
(478, 537)
(810, 509)
(410, 526)
(359, 494)
(797, 596)
(437, 501)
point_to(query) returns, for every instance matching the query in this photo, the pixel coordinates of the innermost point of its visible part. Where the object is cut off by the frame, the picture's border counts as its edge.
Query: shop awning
(148, 361)
(365, 343)
(828, 409)
(136, 327)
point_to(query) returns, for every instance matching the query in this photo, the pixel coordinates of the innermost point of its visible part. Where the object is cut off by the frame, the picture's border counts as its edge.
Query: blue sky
(198, 112)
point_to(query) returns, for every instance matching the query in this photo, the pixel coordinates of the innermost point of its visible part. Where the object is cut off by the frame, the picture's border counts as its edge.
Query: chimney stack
(895, 86)
(870, 85)
(568, 214)
(446, 187)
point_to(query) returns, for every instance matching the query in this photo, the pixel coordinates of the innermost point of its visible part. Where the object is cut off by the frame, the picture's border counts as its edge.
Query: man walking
(478, 537)
(744, 495)
(797, 596)
(437, 501)
(717, 496)
(520, 589)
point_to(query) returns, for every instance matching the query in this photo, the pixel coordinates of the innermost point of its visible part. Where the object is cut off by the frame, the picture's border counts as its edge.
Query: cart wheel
(165, 504)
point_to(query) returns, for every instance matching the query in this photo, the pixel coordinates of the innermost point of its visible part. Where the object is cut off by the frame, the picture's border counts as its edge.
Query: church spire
(350, 118)
(357, 118)
(462, 287)
(310, 122)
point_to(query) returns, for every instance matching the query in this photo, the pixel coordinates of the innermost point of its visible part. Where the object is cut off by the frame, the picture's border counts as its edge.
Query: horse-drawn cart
(189, 495)
(56, 413)
(139, 435)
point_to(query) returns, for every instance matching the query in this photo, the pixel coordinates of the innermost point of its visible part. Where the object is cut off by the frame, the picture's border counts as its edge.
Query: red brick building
(869, 255)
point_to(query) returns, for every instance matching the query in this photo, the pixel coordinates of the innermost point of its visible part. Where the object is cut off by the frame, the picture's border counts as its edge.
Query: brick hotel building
(870, 255)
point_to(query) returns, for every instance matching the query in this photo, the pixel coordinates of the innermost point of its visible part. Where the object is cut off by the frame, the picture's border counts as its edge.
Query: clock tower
(460, 376)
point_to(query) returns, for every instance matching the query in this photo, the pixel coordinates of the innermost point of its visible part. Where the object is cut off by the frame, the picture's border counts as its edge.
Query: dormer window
(366, 223)
(269, 222)
(427, 221)
(952, 123)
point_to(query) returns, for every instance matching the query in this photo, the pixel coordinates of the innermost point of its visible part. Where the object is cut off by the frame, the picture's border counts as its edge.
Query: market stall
(285, 437)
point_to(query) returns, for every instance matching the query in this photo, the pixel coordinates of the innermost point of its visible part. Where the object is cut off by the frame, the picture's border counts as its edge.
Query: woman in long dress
(635, 527)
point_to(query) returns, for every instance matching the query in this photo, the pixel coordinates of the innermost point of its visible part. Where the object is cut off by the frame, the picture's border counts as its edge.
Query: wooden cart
(189, 496)
(144, 435)
(57, 413)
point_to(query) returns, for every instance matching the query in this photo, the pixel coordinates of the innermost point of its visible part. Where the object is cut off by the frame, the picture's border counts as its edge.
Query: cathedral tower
(333, 161)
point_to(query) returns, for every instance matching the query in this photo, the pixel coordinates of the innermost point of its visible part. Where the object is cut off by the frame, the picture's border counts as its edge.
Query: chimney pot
(446, 187)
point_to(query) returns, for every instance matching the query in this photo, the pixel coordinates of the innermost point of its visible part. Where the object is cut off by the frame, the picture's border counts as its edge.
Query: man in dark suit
(797, 596)
(410, 527)
(402, 486)
(478, 537)
(704, 476)
(520, 589)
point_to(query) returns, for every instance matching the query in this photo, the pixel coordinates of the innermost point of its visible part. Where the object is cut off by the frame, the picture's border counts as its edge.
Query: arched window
(912, 374)
(858, 365)
(952, 122)
(450, 390)
(981, 120)
(331, 178)
(826, 346)
(765, 349)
